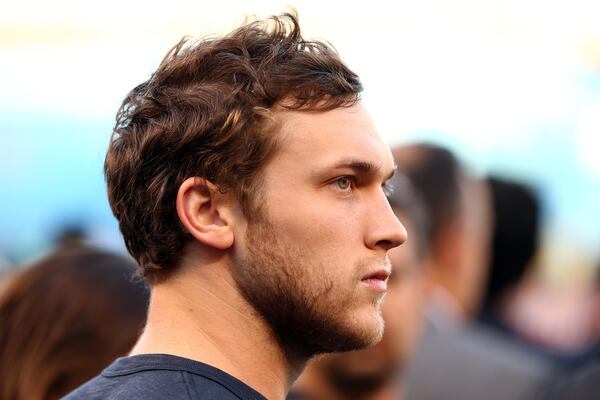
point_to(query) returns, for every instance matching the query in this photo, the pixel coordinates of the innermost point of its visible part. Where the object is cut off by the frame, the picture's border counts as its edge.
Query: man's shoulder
(155, 376)
(148, 385)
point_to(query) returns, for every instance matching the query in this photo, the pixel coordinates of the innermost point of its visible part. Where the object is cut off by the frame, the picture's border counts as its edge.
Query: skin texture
(243, 285)
(372, 373)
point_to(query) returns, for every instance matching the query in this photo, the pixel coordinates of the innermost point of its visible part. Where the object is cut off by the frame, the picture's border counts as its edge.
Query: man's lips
(377, 280)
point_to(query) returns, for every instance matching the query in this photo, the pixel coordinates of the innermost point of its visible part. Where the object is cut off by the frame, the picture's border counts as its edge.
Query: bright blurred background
(513, 87)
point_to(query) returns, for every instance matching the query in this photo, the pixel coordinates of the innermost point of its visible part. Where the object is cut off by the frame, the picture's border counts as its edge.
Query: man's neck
(203, 317)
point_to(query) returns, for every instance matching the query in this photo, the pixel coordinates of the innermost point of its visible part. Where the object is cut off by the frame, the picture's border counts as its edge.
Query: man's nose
(385, 231)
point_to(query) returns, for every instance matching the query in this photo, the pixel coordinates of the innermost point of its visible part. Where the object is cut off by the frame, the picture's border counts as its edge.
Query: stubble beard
(306, 311)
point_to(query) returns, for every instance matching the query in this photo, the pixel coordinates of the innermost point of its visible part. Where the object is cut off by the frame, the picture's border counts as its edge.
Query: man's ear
(204, 212)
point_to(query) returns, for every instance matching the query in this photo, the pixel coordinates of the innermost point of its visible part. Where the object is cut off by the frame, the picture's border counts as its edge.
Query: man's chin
(367, 335)
(361, 332)
(374, 327)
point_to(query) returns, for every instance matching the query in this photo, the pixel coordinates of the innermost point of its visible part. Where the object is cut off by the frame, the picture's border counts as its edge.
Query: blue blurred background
(513, 87)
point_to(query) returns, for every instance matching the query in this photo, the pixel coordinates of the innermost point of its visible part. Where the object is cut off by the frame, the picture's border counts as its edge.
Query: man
(248, 181)
(372, 374)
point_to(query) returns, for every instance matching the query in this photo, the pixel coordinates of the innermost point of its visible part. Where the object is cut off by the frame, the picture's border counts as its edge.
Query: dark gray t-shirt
(162, 376)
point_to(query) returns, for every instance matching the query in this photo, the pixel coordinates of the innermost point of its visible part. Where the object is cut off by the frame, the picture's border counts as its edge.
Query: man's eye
(344, 183)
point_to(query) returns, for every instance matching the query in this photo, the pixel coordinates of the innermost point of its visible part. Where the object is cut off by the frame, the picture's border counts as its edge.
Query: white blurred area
(510, 85)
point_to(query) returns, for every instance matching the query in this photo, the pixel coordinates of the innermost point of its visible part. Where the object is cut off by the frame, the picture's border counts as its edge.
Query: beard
(306, 310)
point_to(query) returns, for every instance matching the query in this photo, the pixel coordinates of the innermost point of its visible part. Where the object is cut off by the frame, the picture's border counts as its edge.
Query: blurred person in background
(376, 372)
(64, 318)
(583, 383)
(72, 234)
(596, 311)
(559, 329)
(458, 234)
(458, 359)
(515, 240)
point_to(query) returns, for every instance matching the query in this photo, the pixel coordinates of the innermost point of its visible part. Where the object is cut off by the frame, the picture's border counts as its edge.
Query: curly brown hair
(208, 111)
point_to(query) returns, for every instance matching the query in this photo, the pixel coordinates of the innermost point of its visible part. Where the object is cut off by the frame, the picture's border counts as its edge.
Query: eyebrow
(363, 167)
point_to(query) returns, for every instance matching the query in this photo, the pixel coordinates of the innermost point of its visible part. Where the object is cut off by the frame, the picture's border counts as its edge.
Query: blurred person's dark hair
(66, 317)
(73, 234)
(515, 237)
(208, 111)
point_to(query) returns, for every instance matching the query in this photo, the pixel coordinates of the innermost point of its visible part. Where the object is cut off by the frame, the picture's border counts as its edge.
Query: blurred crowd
(467, 316)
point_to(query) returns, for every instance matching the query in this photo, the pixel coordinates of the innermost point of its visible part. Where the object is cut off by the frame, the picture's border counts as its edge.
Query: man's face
(313, 263)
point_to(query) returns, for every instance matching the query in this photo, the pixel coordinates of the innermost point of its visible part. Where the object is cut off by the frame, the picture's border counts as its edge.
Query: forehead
(324, 138)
